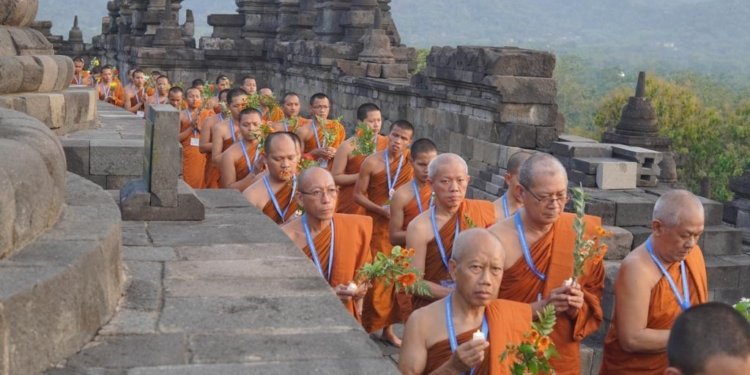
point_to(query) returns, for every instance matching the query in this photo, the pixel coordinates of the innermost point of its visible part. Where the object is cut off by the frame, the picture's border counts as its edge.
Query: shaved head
(537, 165)
(475, 239)
(312, 174)
(673, 206)
(515, 162)
(445, 159)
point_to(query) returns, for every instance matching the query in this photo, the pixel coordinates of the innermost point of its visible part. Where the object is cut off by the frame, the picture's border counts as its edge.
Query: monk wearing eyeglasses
(337, 244)
(539, 241)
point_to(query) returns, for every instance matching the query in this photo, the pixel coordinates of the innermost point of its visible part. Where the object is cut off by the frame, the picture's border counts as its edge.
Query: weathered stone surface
(58, 290)
(133, 351)
(300, 347)
(9, 70)
(721, 240)
(620, 243)
(31, 202)
(325, 366)
(136, 204)
(616, 175)
(581, 149)
(518, 135)
(514, 89)
(18, 13)
(116, 157)
(162, 155)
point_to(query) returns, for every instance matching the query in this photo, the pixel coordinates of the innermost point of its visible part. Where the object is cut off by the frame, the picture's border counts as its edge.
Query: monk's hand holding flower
(575, 299)
(468, 355)
(558, 297)
(344, 293)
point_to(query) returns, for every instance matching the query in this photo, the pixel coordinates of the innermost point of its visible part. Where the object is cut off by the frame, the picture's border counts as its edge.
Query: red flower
(407, 279)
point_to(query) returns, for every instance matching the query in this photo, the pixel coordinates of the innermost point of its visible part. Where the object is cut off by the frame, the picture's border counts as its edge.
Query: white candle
(478, 335)
(352, 287)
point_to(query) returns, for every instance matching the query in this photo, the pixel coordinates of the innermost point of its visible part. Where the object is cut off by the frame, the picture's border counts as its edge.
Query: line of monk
(489, 266)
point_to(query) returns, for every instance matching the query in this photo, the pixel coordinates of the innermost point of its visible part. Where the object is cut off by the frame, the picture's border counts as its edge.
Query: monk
(290, 106)
(509, 203)
(135, 98)
(412, 199)
(313, 135)
(438, 339)
(710, 339)
(206, 136)
(544, 233)
(240, 162)
(346, 165)
(338, 244)
(109, 88)
(381, 174)
(80, 75)
(224, 134)
(161, 93)
(656, 282)
(432, 233)
(249, 84)
(198, 84)
(274, 192)
(191, 120)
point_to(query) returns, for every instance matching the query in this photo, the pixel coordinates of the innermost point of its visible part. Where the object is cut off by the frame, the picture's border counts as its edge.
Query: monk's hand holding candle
(468, 355)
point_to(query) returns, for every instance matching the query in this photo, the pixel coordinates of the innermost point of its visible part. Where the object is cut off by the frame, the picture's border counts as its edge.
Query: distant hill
(709, 36)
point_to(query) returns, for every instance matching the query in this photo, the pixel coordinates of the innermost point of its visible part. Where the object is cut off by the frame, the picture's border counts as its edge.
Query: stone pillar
(169, 34)
(359, 19)
(328, 20)
(160, 194)
(638, 127)
(138, 8)
(261, 18)
(288, 20)
(737, 211)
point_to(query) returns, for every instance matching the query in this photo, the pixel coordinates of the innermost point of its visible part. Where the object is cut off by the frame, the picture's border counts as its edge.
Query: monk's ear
(657, 227)
(672, 371)
(452, 267)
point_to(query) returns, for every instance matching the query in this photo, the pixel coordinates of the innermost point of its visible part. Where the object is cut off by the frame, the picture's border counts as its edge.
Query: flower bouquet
(585, 249)
(262, 134)
(330, 130)
(305, 162)
(532, 355)
(743, 306)
(364, 141)
(395, 268)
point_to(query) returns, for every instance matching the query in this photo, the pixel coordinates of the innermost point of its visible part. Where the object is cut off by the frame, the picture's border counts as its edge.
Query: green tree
(711, 143)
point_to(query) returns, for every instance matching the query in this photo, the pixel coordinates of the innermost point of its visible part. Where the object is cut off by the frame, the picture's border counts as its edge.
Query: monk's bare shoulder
(504, 230)
(402, 196)
(637, 269)
(256, 194)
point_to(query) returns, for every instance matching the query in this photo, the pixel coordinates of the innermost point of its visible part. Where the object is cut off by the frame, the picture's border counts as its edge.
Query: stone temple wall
(480, 102)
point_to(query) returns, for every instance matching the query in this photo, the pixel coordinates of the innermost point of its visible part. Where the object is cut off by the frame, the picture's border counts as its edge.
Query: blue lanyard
(452, 330)
(314, 251)
(106, 93)
(315, 133)
(525, 248)
(392, 183)
(250, 166)
(190, 117)
(504, 200)
(286, 125)
(418, 197)
(231, 129)
(275, 201)
(684, 301)
(438, 240)
(158, 99)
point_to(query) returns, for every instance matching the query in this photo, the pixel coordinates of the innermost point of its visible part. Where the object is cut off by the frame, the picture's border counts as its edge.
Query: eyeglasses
(563, 196)
(318, 193)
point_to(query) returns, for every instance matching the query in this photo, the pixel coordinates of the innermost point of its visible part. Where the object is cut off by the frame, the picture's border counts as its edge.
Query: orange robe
(553, 256)
(346, 203)
(481, 212)
(379, 308)
(312, 144)
(143, 95)
(117, 93)
(663, 310)
(274, 115)
(193, 162)
(284, 197)
(213, 173)
(241, 169)
(411, 209)
(507, 322)
(82, 77)
(351, 247)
